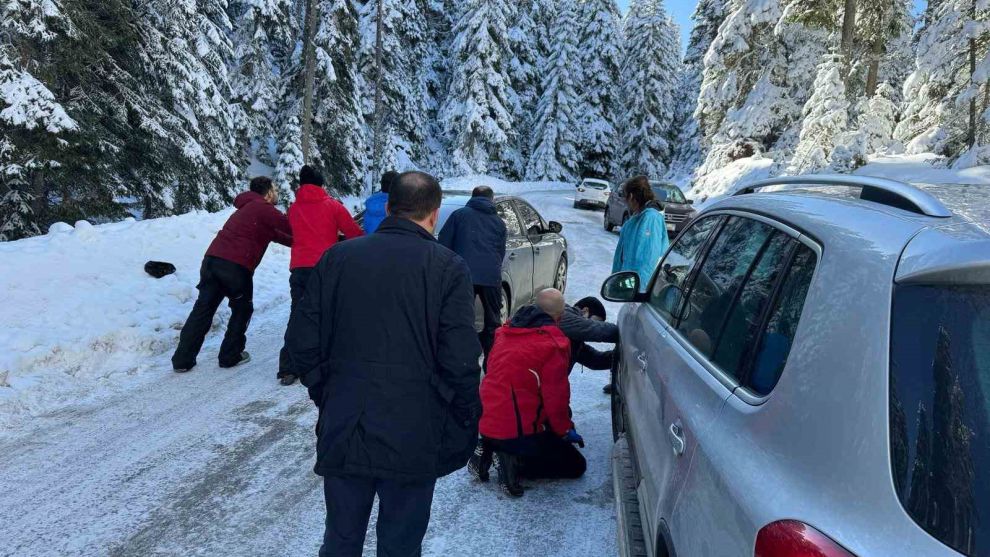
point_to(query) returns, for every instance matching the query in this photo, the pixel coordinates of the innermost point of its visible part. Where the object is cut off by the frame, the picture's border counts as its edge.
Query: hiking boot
(287, 379)
(507, 475)
(182, 369)
(480, 463)
(245, 358)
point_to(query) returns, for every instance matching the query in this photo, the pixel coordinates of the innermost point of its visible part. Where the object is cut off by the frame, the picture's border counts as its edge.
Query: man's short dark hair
(388, 179)
(414, 195)
(483, 191)
(594, 307)
(261, 185)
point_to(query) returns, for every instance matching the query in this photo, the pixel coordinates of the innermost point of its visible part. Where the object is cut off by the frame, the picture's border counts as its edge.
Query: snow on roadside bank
(80, 315)
(468, 183)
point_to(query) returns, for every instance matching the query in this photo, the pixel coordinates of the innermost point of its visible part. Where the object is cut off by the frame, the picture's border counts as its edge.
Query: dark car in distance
(678, 210)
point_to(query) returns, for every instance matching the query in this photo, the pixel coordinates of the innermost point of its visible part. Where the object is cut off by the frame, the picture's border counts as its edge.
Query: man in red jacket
(525, 399)
(317, 221)
(228, 271)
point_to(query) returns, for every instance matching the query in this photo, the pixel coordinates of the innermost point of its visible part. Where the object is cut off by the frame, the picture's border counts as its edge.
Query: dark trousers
(541, 456)
(218, 279)
(403, 515)
(297, 287)
(491, 306)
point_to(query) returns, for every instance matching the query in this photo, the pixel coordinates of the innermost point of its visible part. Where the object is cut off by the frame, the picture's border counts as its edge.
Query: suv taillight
(790, 538)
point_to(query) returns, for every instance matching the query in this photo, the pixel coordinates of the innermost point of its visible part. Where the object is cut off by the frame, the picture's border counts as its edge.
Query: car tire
(506, 305)
(617, 406)
(608, 223)
(560, 276)
(577, 205)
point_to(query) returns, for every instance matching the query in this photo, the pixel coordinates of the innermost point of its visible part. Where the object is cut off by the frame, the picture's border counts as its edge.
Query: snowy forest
(111, 108)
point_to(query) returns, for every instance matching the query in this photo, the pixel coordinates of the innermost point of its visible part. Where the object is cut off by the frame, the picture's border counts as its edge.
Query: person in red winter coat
(525, 398)
(317, 220)
(228, 272)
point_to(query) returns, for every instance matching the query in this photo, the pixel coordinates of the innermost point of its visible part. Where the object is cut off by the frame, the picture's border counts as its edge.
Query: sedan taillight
(790, 538)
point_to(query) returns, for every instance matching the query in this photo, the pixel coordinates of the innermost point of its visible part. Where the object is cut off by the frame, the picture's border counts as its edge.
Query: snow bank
(730, 178)
(468, 183)
(80, 314)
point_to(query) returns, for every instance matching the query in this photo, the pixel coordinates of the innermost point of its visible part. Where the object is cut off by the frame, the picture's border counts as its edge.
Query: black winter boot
(480, 462)
(508, 466)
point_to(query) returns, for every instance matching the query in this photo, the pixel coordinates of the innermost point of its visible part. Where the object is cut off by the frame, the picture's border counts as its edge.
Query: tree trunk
(376, 159)
(971, 140)
(848, 36)
(873, 73)
(40, 202)
(309, 57)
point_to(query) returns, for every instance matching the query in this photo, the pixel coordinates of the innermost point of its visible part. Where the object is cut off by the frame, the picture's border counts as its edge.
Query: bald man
(525, 400)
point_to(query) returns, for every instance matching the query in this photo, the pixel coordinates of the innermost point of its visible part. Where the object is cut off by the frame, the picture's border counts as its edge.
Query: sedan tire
(560, 277)
(608, 223)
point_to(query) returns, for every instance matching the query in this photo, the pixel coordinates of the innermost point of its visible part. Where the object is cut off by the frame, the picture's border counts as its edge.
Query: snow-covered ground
(107, 452)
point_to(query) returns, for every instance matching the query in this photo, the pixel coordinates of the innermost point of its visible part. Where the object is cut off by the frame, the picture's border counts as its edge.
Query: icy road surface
(219, 462)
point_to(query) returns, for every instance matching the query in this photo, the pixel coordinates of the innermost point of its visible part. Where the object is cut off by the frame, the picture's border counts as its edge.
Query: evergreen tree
(264, 37)
(16, 217)
(650, 75)
(557, 137)
(825, 119)
(524, 71)
(478, 112)
(879, 24)
(873, 134)
(688, 149)
(939, 92)
(600, 55)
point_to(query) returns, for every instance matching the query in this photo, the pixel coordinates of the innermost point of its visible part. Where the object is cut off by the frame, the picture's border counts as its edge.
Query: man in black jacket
(385, 339)
(585, 322)
(478, 234)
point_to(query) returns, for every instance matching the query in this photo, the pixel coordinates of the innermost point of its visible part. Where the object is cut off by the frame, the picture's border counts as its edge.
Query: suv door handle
(676, 434)
(644, 362)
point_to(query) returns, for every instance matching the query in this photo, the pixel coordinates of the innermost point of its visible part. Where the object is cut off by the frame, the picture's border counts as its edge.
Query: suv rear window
(939, 407)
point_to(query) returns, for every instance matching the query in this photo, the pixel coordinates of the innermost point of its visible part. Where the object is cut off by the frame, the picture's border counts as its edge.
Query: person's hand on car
(574, 438)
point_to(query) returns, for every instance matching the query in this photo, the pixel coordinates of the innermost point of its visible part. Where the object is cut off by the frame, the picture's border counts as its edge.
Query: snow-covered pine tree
(873, 133)
(688, 149)
(339, 147)
(477, 113)
(600, 52)
(433, 77)
(879, 25)
(744, 105)
(524, 71)
(263, 41)
(16, 216)
(405, 52)
(939, 92)
(650, 75)
(826, 117)
(555, 153)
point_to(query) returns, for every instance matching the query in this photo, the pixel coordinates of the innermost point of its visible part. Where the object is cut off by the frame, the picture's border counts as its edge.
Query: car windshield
(939, 408)
(596, 185)
(674, 194)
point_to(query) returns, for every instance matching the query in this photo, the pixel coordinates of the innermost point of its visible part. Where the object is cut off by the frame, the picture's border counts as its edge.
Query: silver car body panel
(817, 448)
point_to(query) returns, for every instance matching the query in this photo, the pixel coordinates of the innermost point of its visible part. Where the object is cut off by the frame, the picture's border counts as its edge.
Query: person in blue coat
(643, 239)
(374, 206)
(478, 234)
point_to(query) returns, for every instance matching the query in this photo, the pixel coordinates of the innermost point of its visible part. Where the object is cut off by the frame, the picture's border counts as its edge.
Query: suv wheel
(618, 407)
(560, 277)
(608, 222)
(506, 310)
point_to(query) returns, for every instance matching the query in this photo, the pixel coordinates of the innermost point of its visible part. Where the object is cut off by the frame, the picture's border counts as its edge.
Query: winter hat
(593, 305)
(309, 175)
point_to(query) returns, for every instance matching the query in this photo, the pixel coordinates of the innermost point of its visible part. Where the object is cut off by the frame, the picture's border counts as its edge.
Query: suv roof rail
(879, 190)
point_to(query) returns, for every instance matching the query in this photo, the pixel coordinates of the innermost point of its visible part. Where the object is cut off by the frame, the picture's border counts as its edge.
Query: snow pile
(925, 169)
(468, 183)
(80, 314)
(730, 178)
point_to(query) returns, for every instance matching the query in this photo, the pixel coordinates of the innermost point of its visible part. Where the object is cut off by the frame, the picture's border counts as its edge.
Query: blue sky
(681, 10)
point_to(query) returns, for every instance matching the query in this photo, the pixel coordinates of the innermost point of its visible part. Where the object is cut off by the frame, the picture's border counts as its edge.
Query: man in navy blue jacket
(478, 234)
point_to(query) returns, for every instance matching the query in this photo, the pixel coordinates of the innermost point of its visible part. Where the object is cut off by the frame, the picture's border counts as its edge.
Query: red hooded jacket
(526, 390)
(316, 220)
(247, 233)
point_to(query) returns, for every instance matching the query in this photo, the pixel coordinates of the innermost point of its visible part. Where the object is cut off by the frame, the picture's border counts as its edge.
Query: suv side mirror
(534, 230)
(621, 287)
(555, 227)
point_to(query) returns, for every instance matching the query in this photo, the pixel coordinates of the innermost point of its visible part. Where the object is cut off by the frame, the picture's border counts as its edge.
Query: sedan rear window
(939, 408)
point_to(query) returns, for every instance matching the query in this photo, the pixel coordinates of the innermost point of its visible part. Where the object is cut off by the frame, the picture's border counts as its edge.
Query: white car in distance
(592, 193)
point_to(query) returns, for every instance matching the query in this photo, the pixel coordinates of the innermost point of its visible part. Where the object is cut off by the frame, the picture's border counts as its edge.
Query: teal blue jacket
(642, 243)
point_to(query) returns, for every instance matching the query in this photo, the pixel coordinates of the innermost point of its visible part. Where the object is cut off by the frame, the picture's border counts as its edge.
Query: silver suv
(809, 374)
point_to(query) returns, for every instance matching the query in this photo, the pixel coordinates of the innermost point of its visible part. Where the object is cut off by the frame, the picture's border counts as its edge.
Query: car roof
(861, 230)
(456, 198)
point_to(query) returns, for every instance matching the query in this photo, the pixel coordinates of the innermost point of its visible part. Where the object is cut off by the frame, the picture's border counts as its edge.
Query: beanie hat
(309, 175)
(593, 305)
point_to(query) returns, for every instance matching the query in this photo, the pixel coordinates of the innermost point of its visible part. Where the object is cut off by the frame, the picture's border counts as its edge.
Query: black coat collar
(396, 225)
